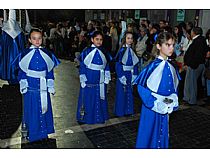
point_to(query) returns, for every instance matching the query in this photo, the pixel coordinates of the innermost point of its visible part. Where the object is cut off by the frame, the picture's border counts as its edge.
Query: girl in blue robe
(94, 76)
(157, 87)
(36, 80)
(126, 70)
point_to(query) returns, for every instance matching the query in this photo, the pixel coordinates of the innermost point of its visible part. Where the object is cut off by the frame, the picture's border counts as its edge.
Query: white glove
(106, 81)
(107, 77)
(83, 84)
(170, 109)
(51, 90)
(123, 80)
(23, 86)
(50, 85)
(175, 102)
(161, 106)
(83, 79)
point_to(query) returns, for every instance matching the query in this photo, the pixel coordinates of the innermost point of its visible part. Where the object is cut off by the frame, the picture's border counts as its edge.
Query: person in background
(141, 45)
(194, 60)
(207, 71)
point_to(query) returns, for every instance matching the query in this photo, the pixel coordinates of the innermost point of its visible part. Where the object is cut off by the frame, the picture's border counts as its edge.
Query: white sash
(43, 87)
(88, 62)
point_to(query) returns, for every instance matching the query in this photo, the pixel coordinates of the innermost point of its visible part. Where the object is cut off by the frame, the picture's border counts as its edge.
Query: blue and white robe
(12, 44)
(126, 70)
(36, 80)
(157, 81)
(94, 76)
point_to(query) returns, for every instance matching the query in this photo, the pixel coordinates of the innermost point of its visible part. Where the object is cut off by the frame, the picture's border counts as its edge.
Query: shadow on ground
(10, 110)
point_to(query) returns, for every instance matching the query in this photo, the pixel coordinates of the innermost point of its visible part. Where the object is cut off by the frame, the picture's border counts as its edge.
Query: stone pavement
(189, 126)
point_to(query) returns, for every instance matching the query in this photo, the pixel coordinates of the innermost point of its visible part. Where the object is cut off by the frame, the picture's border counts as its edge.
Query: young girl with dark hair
(36, 80)
(157, 86)
(126, 70)
(94, 75)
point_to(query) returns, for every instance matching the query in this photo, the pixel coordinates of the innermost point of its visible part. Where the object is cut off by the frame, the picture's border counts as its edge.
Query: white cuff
(23, 86)
(82, 78)
(107, 77)
(50, 83)
(123, 80)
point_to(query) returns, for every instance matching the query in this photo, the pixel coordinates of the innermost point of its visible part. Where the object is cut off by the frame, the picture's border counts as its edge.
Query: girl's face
(97, 40)
(36, 39)
(176, 31)
(129, 39)
(166, 49)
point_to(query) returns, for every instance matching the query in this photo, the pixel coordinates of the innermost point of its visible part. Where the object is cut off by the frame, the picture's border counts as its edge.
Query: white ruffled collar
(156, 75)
(88, 59)
(135, 59)
(25, 61)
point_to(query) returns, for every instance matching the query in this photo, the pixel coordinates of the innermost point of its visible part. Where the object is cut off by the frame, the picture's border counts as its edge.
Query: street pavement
(189, 126)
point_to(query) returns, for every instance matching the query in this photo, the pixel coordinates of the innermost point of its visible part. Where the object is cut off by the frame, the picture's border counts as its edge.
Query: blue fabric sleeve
(136, 72)
(146, 96)
(21, 75)
(50, 75)
(119, 69)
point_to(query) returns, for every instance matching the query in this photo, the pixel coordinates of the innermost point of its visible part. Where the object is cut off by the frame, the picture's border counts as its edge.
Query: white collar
(25, 61)
(88, 59)
(92, 45)
(33, 46)
(156, 76)
(135, 59)
(161, 58)
(195, 37)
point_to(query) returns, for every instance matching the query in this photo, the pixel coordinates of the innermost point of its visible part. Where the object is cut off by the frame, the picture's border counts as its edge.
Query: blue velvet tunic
(38, 125)
(11, 48)
(153, 127)
(91, 108)
(124, 93)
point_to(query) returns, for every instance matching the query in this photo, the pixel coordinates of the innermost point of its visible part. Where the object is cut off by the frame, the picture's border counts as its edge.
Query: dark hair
(190, 24)
(180, 33)
(207, 34)
(197, 30)
(189, 31)
(163, 37)
(34, 30)
(182, 25)
(156, 26)
(124, 36)
(96, 33)
(168, 29)
(164, 21)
